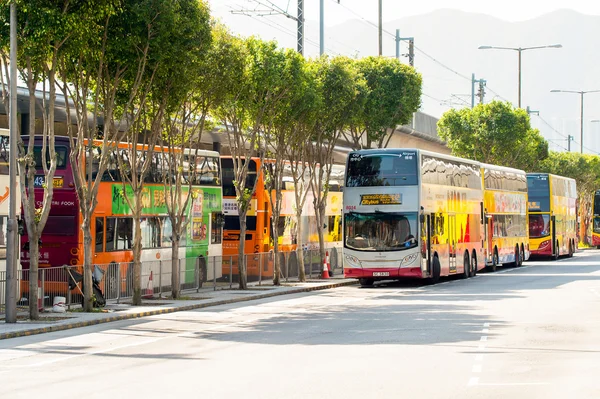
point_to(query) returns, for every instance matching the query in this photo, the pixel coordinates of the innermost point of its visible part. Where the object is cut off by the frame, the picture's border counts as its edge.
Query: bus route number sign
(381, 199)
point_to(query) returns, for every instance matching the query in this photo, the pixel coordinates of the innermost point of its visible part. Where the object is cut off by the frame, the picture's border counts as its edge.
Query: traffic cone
(149, 289)
(325, 274)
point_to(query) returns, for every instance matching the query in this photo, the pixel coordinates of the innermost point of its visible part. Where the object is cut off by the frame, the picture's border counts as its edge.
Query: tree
(391, 93)
(184, 123)
(494, 133)
(43, 29)
(297, 97)
(338, 84)
(255, 88)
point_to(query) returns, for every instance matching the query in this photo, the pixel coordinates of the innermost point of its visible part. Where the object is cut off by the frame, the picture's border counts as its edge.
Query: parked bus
(411, 213)
(112, 223)
(596, 219)
(552, 215)
(259, 233)
(505, 208)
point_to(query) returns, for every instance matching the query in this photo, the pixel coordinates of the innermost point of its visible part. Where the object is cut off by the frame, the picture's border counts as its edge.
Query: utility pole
(531, 112)
(411, 47)
(380, 28)
(12, 248)
(480, 92)
(301, 26)
(322, 28)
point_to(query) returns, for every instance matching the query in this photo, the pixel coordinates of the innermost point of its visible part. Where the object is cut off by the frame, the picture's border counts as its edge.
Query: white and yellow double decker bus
(552, 215)
(410, 213)
(505, 208)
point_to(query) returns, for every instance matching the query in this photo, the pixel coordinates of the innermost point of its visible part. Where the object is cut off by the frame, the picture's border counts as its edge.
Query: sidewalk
(50, 322)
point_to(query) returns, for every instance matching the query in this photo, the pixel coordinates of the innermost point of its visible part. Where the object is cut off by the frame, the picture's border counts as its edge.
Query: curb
(62, 327)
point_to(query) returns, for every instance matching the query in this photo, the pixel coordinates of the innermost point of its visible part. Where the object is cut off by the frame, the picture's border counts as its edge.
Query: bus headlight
(409, 259)
(353, 261)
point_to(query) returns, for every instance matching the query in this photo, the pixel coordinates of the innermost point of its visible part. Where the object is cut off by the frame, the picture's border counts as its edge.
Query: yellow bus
(552, 215)
(596, 219)
(505, 211)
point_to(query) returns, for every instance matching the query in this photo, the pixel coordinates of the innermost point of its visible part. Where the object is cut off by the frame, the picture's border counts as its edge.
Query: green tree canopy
(391, 93)
(494, 133)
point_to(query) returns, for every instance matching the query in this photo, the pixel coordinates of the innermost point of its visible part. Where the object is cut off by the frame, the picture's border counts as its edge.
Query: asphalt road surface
(529, 332)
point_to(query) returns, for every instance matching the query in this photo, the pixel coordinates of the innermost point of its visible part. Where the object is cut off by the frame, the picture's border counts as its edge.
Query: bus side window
(99, 234)
(110, 234)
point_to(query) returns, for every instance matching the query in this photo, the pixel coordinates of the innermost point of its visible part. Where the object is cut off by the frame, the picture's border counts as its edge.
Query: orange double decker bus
(259, 233)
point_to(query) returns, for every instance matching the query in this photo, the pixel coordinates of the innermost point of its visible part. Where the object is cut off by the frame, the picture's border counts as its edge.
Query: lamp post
(581, 93)
(519, 50)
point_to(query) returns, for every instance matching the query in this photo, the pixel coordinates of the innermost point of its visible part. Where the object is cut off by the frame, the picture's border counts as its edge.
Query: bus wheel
(517, 256)
(201, 271)
(466, 266)
(521, 256)
(366, 282)
(474, 265)
(556, 252)
(333, 259)
(436, 270)
(495, 261)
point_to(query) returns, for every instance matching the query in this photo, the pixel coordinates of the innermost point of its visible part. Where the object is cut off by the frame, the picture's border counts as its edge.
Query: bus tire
(366, 282)
(556, 252)
(571, 246)
(466, 266)
(436, 271)
(517, 256)
(201, 271)
(474, 264)
(495, 261)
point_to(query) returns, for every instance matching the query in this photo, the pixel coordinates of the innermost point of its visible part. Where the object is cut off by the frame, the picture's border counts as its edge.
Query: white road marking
(486, 325)
(485, 330)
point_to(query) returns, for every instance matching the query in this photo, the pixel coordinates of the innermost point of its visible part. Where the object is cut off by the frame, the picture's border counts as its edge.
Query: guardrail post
(43, 291)
(260, 269)
(231, 271)
(160, 272)
(214, 258)
(119, 282)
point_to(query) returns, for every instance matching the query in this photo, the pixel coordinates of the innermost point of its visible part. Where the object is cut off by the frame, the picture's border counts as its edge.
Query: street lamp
(581, 93)
(519, 50)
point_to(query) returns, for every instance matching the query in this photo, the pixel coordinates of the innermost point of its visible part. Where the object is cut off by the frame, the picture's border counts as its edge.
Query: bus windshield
(539, 193)
(383, 169)
(539, 226)
(380, 231)
(61, 157)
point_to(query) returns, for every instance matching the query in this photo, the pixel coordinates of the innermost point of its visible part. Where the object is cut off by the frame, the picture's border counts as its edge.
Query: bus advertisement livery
(505, 207)
(411, 213)
(552, 215)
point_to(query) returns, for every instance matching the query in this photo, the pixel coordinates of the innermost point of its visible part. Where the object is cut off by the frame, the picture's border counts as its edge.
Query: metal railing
(115, 280)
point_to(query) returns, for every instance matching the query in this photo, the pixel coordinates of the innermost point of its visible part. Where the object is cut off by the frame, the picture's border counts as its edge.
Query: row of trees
(160, 72)
(499, 134)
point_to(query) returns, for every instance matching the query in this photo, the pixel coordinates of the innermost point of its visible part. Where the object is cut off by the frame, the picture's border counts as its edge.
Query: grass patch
(94, 310)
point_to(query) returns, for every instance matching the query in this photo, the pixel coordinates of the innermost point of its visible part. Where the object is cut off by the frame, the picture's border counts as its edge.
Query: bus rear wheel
(517, 256)
(473, 265)
(466, 266)
(436, 271)
(495, 262)
(366, 282)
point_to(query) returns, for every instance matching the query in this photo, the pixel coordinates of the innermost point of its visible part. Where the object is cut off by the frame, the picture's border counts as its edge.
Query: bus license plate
(381, 274)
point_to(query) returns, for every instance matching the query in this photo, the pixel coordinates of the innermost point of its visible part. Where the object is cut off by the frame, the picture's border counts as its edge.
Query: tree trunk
(137, 254)
(242, 271)
(34, 256)
(320, 214)
(88, 303)
(276, 265)
(299, 244)
(175, 268)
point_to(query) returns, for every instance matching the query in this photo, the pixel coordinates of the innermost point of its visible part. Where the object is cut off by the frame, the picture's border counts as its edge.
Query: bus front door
(426, 243)
(553, 235)
(452, 242)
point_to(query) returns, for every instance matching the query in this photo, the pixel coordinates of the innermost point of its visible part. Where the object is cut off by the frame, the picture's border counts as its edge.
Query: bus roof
(503, 168)
(424, 152)
(558, 177)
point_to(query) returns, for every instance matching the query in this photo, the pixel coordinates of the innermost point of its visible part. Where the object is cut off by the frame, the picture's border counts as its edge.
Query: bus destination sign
(381, 199)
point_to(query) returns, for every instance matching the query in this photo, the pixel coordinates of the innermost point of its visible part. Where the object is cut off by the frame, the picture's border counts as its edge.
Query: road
(531, 332)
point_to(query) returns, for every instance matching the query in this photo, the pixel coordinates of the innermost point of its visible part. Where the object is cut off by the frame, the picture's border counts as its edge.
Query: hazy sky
(510, 10)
